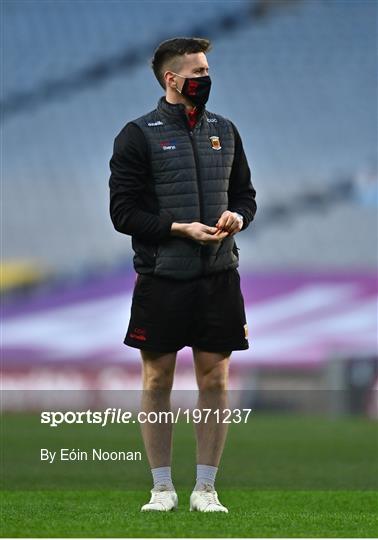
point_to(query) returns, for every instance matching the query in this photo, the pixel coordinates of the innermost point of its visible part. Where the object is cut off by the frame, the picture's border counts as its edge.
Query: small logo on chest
(215, 143)
(168, 145)
(153, 124)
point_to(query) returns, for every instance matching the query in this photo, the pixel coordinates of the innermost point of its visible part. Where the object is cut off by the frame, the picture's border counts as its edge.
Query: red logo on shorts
(139, 333)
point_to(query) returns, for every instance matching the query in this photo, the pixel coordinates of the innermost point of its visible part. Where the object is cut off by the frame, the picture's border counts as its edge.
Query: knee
(158, 370)
(214, 380)
(158, 379)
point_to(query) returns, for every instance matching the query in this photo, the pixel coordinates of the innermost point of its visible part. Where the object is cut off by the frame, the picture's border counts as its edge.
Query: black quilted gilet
(190, 175)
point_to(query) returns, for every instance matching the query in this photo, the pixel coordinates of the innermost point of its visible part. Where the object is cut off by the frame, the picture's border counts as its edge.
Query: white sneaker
(206, 500)
(163, 499)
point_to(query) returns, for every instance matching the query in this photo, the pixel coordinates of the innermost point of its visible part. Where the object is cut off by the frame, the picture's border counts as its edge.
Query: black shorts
(206, 312)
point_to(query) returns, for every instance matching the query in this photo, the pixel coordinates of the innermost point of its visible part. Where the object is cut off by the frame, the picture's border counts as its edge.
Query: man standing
(180, 185)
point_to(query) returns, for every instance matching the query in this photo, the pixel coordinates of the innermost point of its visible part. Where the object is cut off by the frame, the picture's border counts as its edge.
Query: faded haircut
(168, 53)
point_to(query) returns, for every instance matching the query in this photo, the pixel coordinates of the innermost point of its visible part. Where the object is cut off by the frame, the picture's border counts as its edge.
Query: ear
(169, 79)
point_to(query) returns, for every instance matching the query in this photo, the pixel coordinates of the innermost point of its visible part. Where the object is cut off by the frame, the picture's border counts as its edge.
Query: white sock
(205, 475)
(162, 475)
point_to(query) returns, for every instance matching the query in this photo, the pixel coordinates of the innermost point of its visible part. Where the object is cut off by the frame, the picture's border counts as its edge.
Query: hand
(198, 232)
(229, 222)
(205, 234)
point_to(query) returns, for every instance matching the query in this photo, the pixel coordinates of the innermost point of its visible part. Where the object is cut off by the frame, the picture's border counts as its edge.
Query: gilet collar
(177, 110)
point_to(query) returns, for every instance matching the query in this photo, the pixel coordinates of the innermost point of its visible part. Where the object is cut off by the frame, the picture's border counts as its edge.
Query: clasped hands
(227, 225)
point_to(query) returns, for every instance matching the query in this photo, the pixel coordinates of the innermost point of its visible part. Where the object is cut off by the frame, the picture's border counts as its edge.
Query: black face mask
(196, 89)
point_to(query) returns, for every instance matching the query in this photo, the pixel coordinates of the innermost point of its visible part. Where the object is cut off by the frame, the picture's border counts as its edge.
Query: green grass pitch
(281, 476)
(252, 514)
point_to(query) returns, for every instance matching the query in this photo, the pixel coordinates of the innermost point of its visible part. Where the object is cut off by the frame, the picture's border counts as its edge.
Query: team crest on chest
(215, 143)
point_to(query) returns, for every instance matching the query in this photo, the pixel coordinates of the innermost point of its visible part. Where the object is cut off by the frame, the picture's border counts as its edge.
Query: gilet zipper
(199, 185)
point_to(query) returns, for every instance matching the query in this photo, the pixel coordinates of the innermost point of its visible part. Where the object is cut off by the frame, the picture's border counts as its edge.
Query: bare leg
(158, 372)
(212, 379)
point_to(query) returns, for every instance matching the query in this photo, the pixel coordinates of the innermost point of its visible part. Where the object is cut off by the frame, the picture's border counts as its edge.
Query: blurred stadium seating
(298, 78)
(299, 82)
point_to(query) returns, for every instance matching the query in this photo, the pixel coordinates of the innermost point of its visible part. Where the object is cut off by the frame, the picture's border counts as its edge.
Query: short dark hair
(170, 49)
